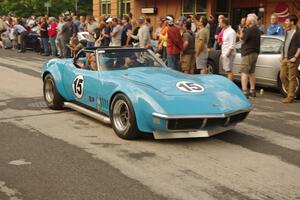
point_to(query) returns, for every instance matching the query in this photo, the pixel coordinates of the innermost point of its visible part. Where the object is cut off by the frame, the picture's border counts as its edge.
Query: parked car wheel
(123, 118)
(212, 68)
(52, 97)
(283, 90)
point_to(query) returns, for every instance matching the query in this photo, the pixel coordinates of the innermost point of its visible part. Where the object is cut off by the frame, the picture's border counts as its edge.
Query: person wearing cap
(105, 34)
(143, 35)
(174, 45)
(202, 39)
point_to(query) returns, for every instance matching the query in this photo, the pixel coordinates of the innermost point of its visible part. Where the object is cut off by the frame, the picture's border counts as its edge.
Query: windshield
(114, 59)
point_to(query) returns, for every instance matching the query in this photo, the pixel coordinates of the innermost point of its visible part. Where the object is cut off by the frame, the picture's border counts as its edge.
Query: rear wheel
(52, 97)
(123, 118)
(283, 90)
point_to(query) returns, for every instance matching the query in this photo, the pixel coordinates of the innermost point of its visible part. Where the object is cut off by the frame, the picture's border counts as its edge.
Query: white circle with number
(189, 87)
(77, 86)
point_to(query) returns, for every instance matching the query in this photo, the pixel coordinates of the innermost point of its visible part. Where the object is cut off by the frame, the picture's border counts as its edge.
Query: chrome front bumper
(183, 126)
(191, 134)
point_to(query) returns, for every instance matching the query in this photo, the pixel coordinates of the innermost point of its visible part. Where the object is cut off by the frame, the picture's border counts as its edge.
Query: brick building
(235, 9)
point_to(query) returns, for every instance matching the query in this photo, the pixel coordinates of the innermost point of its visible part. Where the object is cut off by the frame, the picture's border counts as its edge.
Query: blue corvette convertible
(136, 93)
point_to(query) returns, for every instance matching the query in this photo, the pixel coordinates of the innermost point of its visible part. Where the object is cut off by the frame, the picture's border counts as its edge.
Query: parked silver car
(267, 67)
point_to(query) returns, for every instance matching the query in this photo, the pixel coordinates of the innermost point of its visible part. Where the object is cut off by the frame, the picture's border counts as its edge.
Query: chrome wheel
(121, 116)
(49, 90)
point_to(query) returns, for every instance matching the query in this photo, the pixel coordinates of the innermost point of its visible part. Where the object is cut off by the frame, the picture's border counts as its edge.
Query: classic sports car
(136, 93)
(267, 67)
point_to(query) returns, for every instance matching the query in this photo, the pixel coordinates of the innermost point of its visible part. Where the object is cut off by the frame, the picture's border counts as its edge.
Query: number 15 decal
(77, 86)
(189, 87)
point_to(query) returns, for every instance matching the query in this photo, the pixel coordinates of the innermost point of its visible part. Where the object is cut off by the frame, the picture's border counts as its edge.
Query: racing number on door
(78, 84)
(189, 87)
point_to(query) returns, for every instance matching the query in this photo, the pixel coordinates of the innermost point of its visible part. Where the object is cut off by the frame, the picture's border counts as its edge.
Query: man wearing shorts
(188, 55)
(228, 48)
(250, 49)
(202, 39)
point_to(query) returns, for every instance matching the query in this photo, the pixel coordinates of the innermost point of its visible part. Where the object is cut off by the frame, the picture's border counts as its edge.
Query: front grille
(238, 118)
(215, 122)
(199, 123)
(185, 124)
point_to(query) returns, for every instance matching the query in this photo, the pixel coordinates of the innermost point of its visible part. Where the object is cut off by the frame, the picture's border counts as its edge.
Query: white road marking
(19, 162)
(9, 192)
(274, 137)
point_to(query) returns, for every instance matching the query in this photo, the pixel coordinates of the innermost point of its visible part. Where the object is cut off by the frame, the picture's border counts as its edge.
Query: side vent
(104, 104)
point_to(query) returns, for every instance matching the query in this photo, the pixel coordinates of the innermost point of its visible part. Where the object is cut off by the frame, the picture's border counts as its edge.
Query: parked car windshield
(114, 59)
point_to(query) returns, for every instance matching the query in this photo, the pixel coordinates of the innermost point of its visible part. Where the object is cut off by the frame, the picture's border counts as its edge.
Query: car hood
(162, 79)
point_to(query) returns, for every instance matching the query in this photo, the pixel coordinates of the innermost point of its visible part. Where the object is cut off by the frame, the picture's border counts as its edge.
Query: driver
(91, 63)
(129, 62)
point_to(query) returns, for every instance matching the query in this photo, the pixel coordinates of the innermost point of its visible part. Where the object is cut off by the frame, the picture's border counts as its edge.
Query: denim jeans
(23, 38)
(173, 61)
(65, 50)
(53, 46)
(45, 42)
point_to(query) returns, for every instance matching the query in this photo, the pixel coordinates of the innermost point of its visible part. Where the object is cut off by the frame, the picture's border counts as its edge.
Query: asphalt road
(62, 155)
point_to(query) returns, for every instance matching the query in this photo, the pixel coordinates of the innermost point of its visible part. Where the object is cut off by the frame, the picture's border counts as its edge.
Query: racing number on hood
(78, 86)
(189, 87)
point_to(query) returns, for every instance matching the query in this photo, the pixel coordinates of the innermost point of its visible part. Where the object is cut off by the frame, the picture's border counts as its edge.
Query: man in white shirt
(228, 48)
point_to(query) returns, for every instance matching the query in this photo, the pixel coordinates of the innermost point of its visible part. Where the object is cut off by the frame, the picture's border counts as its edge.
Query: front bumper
(194, 126)
(191, 134)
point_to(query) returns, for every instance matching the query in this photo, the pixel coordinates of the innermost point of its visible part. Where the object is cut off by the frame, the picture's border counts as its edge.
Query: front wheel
(52, 97)
(123, 118)
(283, 90)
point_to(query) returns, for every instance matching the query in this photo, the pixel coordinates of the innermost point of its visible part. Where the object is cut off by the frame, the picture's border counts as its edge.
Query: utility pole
(76, 7)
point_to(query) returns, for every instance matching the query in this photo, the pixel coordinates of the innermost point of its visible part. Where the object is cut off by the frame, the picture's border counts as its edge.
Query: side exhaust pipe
(102, 118)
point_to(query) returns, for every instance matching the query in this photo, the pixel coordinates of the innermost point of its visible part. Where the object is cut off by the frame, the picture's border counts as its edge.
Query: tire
(52, 97)
(283, 90)
(212, 67)
(123, 119)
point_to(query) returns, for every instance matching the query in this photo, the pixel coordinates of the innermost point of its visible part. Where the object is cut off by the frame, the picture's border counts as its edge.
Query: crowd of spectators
(183, 43)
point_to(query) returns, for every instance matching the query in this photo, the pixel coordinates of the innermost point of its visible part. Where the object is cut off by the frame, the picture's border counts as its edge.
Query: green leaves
(25, 8)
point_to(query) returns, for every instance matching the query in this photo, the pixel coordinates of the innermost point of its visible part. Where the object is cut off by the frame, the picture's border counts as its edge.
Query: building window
(194, 7)
(123, 7)
(223, 8)
(105, 7)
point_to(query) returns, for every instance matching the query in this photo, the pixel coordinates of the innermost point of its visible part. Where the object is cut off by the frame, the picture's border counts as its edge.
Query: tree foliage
(26, 8)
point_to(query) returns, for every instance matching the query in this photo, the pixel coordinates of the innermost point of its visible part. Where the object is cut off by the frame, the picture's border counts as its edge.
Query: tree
(26, 8)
